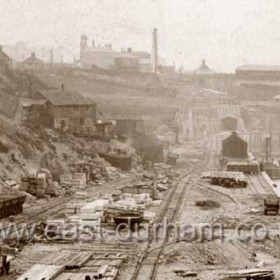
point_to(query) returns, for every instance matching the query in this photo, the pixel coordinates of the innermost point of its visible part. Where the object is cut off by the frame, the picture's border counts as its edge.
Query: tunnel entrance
(229, 124)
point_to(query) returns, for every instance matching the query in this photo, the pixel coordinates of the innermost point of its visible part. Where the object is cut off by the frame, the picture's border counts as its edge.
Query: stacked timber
(76, 181)
(94, 210)
(35, 184)
(253, 274)
(74, 207)
(41, 185)
(40, 271)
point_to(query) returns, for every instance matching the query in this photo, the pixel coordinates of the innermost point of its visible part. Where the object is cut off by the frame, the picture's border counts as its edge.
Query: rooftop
(275, 68)
(126, 55)
(33, 59)
(65, 98)
(107, 49)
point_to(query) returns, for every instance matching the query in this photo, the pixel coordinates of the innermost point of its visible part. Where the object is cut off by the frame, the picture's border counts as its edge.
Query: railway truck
(271, 206)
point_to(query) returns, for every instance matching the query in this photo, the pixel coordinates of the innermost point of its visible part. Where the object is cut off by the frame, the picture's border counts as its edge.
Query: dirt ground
(208, 256)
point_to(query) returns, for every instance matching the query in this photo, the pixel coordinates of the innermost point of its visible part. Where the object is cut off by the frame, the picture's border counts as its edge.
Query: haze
(226, 33)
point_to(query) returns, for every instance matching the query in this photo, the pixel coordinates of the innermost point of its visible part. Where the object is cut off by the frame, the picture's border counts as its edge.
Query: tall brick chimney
(155, 52)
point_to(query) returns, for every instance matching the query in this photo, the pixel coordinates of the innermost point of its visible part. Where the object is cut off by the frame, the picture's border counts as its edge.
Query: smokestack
(30, 89)
(51, 57)
(155, 51)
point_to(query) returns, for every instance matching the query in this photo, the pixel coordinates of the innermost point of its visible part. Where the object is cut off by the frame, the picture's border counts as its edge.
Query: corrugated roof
(275, 68)
(64, 98)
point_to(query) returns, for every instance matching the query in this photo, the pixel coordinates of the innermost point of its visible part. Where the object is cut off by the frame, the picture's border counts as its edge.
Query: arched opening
(229, 123)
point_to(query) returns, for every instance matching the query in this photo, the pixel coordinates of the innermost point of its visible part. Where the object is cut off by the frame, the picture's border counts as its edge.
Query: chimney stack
(155, 52)
(51, 57)
(30, 90)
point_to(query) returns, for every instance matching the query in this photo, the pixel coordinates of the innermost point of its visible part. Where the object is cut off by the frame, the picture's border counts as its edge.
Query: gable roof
(33, 59)
(65, 98)
(234, 138)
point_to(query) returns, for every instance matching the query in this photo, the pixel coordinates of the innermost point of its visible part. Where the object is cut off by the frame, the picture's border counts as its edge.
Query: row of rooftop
(105, 57)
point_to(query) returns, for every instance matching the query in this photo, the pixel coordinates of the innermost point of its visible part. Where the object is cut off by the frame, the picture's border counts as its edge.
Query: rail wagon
(271, 205)
(11, 205)
(250, 167)
(227, 179)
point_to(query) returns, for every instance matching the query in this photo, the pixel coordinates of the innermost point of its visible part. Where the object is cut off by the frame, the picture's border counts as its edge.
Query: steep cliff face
(13, 85)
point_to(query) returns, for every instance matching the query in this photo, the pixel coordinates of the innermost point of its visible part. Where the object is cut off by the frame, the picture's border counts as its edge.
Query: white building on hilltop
(96, 56)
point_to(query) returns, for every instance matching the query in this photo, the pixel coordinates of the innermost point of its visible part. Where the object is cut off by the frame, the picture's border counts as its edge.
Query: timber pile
(76, 181)
(70, 260)
(253, 274)
(35, 184)
(40, 271)
(73, 208)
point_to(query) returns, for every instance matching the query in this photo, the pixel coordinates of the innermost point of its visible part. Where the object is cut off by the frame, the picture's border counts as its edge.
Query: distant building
(129, 125)
(127, 61)
(61, 109)
(33, 63)
(144, 61)
(96, 56)
(234, 147)
(22, 50)
(257, 82)
(203, 69)
(166, 69)
(5, 61)
(261, 74)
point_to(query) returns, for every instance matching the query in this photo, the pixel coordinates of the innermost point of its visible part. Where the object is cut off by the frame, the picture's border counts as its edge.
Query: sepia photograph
(139, 140)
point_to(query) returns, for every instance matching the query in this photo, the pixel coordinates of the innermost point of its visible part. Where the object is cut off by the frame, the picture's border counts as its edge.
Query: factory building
(96, 56)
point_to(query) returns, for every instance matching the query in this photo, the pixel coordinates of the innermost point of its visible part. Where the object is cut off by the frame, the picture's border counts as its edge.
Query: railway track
(148, 263)
(44, 213)
(260, 186)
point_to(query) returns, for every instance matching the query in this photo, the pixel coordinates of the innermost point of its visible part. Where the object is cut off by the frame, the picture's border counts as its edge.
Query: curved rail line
(170, 212)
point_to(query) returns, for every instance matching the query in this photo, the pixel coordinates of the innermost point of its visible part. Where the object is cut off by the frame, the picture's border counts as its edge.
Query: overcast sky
(227, 33)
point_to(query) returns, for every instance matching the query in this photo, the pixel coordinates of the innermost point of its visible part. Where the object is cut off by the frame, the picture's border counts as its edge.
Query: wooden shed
(66, 109)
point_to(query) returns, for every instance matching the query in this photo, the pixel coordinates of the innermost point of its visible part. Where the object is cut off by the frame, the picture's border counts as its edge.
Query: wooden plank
(39, 271)
(67, 259)
(74, 276)
(7, 251)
